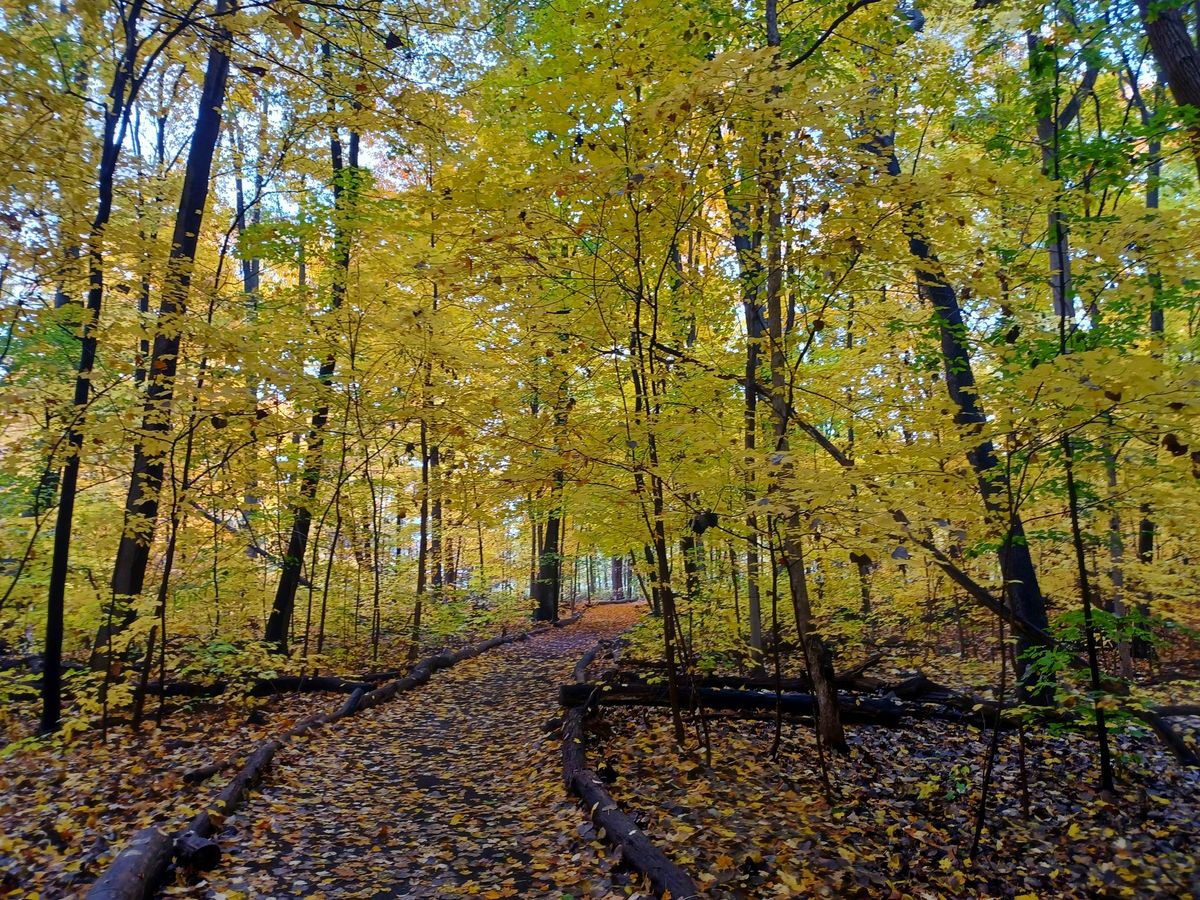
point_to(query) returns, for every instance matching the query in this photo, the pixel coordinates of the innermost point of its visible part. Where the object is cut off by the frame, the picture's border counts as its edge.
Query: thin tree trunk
(1093, 658)
(818, 658)
(436, 521)
(747, 240)
(345, 180)
(1021, 583)
(1142, 648)
(1116, 556)
(422, 544)
(116, 120)
(333, 545)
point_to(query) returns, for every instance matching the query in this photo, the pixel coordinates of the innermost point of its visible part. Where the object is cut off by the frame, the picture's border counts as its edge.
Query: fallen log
(922, 700)
(754, 683)
(194, 847)
(306, 725)
(581, 667)
(619, 828)
(350, 707)
(137, 870)
(304, 683)
(869, 711)
(1178, 710)
(264, 687)
(372, 677)
(203, 773)
(852, 679)
(1172, 739)
(859, 670)
(195, 852)
(919, 689)
(1182, 670)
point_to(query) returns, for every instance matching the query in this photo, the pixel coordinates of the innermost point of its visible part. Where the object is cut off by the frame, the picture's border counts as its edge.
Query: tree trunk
(145, 484)
(1177, 57)
(747, 242)
(116, 121)
(1014, 557)
(1140, 647)
(345, 180)
(818, 658)
(549, 583)
(1116, 556)
(618, 580)
(436, 519)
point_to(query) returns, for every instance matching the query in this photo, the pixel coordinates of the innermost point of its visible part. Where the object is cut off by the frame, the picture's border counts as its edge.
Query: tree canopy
(330, 328)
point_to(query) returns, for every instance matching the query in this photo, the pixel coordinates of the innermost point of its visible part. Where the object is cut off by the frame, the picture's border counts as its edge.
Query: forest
(599, 449)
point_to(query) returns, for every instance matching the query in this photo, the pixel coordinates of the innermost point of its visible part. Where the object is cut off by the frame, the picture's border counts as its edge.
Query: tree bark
(549, 581)
(345, 180)
(116, 121)
(138, 870)
(818, 658)
(145, 483)
(1177, 57)
(666, 878)
(1015, 560)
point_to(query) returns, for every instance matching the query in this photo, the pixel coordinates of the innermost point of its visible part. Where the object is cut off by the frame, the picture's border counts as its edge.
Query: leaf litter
(452, 790)
(902, 812)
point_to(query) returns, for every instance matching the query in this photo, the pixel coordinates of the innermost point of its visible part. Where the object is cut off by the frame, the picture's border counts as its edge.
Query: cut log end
(197, 853)
(138, 870)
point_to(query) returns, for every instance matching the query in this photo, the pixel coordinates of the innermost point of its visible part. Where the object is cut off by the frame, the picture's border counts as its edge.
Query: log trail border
(619, 827)
(142, 866)
(914, 698)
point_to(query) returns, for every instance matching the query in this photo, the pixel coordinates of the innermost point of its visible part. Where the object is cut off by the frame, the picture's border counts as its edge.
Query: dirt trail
(452, 790)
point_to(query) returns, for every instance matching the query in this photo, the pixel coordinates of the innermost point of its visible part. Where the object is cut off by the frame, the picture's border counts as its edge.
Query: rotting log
(619, 828)
(137, 870)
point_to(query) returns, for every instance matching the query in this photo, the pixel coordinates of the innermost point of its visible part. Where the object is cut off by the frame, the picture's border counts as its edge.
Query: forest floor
(454, 790)
(451, 790)
(67, 808)
(899, 816)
